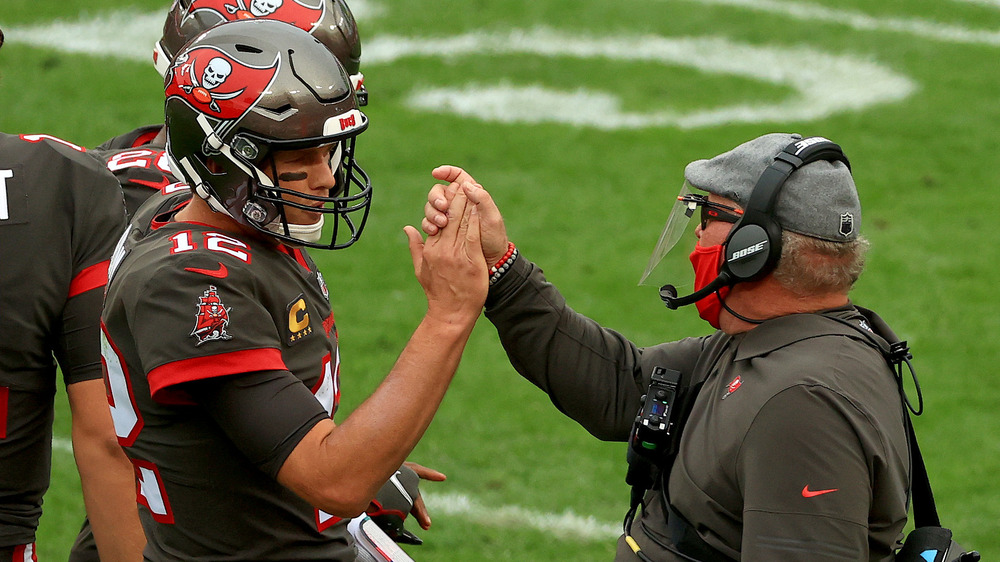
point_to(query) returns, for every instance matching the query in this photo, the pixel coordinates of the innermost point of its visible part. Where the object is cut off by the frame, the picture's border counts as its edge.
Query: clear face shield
(677, 225)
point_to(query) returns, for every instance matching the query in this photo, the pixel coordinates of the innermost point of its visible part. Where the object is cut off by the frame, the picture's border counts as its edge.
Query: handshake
(466, 244)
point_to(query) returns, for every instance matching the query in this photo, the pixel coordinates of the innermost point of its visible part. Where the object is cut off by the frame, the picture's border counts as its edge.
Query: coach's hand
(450, 264)
(493, 233)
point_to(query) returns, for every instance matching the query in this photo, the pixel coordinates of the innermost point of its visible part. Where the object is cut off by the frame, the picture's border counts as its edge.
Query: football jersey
(188, 303)
(61, 213)
(141, 165)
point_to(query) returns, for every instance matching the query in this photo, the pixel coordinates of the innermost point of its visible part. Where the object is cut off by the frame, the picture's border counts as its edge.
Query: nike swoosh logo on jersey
(217, 273)
(807, 493)
(159, 185)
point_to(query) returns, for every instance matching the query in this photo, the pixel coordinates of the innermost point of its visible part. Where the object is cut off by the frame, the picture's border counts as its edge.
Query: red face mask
(706, 262)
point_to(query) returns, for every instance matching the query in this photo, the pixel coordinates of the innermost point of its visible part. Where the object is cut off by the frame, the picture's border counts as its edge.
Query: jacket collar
(779, 332)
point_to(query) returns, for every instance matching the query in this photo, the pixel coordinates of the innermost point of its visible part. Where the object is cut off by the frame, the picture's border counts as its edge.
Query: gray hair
(809, 265)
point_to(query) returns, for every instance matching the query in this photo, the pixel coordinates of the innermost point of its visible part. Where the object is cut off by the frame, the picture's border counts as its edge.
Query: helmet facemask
(347, 203)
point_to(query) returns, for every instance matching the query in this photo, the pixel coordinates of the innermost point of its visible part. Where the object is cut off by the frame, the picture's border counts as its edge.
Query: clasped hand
(438, 210)
(450, 265)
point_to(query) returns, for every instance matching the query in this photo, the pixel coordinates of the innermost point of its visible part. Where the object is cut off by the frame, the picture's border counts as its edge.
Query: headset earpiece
(753, 246)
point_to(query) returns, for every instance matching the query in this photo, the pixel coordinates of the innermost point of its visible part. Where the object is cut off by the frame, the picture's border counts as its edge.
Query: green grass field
(594, 109)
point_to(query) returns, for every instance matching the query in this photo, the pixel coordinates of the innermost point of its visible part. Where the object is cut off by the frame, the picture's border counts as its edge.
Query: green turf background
(588, 206)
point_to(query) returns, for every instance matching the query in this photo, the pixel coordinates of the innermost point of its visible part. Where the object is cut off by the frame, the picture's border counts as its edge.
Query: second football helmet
(241, 91)
(330, 21)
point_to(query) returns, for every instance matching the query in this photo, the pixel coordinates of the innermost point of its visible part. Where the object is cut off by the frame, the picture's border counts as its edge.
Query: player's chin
(305, 218)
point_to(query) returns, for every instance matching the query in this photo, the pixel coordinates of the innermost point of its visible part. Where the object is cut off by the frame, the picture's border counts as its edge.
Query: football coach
(787, 426)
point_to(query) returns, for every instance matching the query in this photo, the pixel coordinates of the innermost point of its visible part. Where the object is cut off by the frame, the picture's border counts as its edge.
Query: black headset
(753, 246)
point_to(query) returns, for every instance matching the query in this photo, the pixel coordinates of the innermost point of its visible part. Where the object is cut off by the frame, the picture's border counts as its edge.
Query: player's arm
(339, 468)
(806, 478)
(106, 475)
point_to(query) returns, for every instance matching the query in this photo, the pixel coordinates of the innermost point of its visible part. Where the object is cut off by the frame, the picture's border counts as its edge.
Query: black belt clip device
(653, 430)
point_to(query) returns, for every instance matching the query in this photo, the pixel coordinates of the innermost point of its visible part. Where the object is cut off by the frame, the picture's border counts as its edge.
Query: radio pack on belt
(652, 432)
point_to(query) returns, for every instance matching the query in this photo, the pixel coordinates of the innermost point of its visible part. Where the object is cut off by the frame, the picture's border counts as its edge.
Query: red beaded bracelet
(501, 267)
(503, 260)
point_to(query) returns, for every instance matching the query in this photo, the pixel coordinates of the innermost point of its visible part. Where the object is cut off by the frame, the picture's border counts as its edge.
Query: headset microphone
(668, 293)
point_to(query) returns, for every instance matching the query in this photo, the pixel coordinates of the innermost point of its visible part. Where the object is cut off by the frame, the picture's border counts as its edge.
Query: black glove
(393, 503)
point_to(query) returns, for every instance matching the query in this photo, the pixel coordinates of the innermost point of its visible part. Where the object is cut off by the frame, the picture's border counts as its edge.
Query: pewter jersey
(187, 306)
(60, 215)
(140, 164)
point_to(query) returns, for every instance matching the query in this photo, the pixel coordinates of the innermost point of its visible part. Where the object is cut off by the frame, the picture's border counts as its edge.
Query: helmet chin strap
(734, 313)
(305, 232)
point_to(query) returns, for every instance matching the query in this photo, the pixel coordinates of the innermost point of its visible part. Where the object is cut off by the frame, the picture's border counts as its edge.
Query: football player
(219, 340)
(139, 161)
(61, 213)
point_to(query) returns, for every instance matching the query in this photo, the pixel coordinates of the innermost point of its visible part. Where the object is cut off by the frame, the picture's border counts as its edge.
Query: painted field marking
(927, 29)
(565, 525)
(62, 444)
(124, 34)
(987, 3)
(823, 83)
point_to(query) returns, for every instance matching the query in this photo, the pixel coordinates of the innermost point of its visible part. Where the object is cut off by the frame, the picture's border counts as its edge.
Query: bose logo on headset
(806, 143)
(748, 251)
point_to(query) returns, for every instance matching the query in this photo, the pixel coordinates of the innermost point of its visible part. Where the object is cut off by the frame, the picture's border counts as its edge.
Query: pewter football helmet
(244, 89)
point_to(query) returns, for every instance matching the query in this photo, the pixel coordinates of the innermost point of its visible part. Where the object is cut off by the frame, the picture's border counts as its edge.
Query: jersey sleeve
(591, 374)
(98, 223)
(805, 472)
(98, 216)
(201, 317)
(265, 414)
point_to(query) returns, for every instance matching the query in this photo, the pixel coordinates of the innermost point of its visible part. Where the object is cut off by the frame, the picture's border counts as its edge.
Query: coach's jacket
(795, 446)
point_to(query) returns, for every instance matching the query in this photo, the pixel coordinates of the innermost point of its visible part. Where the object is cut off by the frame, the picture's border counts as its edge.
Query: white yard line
(62, 444)
(926, 29)
(565, 525)
(822, 83)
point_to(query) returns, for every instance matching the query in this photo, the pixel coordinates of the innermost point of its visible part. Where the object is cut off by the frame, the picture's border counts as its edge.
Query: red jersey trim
(324, 520)
(144, 138)
(296, 254)
(160, 508)
(25, 553)
(4, 397)
(201, 368)
(92, 277)
(300, 257)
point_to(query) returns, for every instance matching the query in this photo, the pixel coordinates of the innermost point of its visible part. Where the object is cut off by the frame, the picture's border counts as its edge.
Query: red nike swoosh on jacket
(217, 273)
(807, 493)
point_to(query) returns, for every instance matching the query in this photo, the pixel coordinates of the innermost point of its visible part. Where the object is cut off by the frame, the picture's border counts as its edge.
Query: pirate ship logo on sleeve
(217, 84)
(213, 317)
(299, 14)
